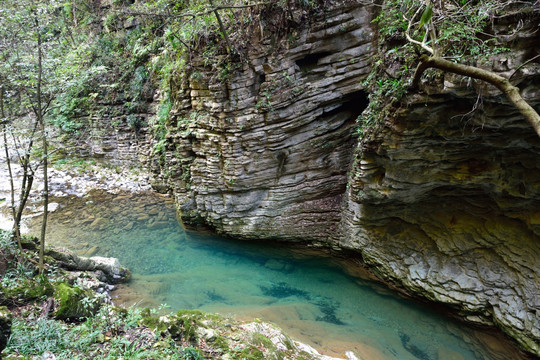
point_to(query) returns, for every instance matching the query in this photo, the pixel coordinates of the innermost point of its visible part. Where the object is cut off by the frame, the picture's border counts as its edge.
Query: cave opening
(354, 103)
(258, 81)
(311, 61)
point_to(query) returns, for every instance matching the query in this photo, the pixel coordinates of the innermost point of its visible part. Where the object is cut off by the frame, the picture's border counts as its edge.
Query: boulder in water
(112, 269)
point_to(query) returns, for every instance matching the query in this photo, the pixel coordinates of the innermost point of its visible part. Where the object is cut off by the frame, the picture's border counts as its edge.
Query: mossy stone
(74, 303)
(30, 289)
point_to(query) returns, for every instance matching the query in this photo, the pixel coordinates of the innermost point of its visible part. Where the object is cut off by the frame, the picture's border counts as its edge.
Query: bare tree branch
(501, 83)
(422, 44)
(522, 65)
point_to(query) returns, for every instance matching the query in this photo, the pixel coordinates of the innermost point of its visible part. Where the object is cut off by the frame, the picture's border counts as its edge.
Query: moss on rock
(74, 303)
(27, 290)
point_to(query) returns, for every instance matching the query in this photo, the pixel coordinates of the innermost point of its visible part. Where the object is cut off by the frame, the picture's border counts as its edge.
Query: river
(325, 301)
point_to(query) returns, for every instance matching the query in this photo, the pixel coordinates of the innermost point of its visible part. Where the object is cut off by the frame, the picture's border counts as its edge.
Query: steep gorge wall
(444, 200)
(442, 204)
(265, 152)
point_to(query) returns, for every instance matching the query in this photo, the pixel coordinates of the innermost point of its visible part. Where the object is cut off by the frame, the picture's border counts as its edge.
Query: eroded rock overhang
(444, 201)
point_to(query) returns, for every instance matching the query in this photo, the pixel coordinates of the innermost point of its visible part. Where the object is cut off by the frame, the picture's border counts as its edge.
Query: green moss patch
(74, 303)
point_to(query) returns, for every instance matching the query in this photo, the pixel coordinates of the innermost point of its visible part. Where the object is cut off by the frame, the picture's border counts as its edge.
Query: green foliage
(19, 281)
(113, 333)
(80, 165)
(26, 73)
(386, 93)
(159, 127)
(426, 16)
(191, 353)
(34, 337)
(462, 34)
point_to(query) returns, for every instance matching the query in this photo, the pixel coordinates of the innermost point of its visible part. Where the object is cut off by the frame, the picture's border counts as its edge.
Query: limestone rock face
(263, 151)
(443, 201)
(446, 204)
(110, 139)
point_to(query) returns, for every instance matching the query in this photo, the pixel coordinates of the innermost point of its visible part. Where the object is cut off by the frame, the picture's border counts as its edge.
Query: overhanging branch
(501, 83)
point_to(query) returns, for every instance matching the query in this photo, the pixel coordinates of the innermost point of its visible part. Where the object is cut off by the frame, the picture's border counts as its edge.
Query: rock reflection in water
(305, 293)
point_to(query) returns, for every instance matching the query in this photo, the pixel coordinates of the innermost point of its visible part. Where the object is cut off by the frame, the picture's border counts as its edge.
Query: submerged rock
(99, 224)
(111, 267)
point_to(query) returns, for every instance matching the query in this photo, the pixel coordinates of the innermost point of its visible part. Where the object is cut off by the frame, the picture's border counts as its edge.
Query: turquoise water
(310, 295)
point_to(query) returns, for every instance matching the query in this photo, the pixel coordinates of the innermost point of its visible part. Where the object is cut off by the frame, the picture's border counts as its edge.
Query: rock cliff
(264, 153)
(442, 200)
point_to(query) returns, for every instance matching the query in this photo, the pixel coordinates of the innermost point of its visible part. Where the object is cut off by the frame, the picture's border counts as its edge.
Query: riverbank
(68, 314)
(109, 218)
(68, 177)
(109, 330)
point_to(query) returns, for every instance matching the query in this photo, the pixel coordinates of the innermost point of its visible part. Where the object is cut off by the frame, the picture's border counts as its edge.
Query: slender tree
(38, 108)
(11, 107)
(28, 44)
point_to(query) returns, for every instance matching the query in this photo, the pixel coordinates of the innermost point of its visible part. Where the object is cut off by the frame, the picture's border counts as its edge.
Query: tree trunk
(26, 184)
(222, 28)
(16, 225)
(41, 120)
(501, 83)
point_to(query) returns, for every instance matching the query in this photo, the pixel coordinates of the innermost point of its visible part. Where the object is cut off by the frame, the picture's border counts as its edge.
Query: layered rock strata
(442, 201)
(445, 201)
(110, 137)
(264, 152)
